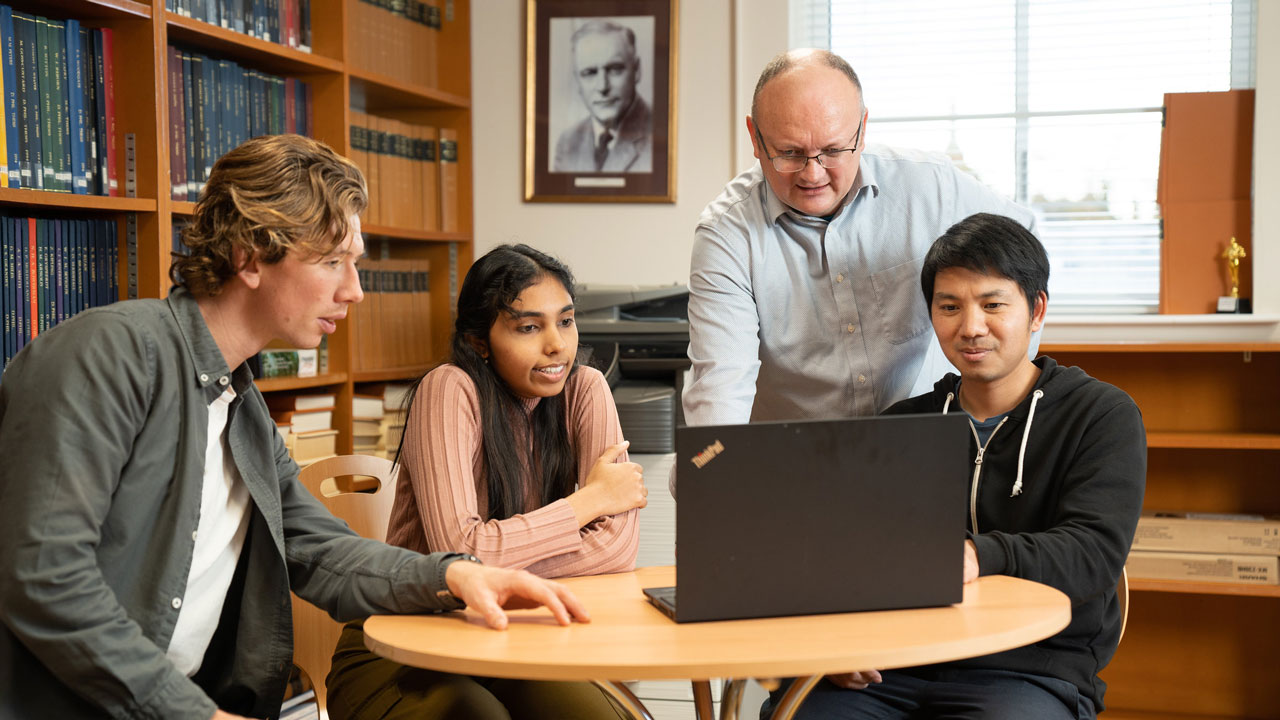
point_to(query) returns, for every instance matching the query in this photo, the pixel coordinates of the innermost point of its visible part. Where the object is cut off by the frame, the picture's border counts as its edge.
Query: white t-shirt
(224, 519)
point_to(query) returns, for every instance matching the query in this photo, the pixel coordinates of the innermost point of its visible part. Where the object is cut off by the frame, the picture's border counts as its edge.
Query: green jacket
(103, 425)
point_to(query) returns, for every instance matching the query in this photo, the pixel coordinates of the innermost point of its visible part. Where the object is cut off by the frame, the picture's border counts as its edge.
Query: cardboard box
(1206, 533)
(1204, 567)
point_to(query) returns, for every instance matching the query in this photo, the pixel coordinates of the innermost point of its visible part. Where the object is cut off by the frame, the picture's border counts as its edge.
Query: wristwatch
(444, 594)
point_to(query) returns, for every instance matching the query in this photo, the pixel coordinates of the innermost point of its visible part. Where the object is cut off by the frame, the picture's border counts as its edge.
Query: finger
(572, 603)
(488, 606)
(872, 676)
(612, 452)
(541, 591)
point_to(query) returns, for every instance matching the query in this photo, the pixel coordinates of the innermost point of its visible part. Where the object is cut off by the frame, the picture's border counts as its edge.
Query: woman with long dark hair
(512, 453)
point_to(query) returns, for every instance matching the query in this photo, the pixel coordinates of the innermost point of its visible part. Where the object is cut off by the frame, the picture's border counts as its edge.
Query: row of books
(53, 269)
(215, 104)
(273, 362)
(59, 105)
(286, 22)
(1207, 547)
(396, 38)
(411, 170)
(392, 327)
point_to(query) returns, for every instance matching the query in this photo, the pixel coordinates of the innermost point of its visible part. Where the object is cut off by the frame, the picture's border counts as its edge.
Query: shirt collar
(775, 208)
(210, 368)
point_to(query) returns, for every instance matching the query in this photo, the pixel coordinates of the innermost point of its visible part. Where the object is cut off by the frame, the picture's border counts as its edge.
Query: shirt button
(223, 380)
(849, 327)
(204, 378)
(177, 603)
(862, 378)
(840, 278)
(193, 534)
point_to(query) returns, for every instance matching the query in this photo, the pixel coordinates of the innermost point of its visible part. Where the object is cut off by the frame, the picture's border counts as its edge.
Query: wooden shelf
(373, 92)
(85, 9)
(262, 55)
(68, 201)
(181, 207)
(401, 373)
(1139, 347)
(1214, 440)
(408, 234)
(1203, 588)
(277, 384)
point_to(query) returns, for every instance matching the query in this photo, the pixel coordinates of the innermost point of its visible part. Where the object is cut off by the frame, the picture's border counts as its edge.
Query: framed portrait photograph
(600, 101)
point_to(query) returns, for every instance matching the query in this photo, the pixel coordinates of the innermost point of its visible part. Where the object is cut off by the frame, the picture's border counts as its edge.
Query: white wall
(1266, 164)
(723, 45)
(611, 243)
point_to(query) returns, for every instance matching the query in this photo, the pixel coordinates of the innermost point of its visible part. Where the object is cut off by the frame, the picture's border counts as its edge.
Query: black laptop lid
(820, 516)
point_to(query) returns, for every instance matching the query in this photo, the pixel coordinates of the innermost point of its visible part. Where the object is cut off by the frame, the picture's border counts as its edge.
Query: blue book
(20, 281)
(89, 103)
(8, 299)
(102, 174)
(10, 99)
(75, 102)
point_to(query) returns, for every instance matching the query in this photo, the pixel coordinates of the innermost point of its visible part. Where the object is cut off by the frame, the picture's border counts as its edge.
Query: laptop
(818, 516)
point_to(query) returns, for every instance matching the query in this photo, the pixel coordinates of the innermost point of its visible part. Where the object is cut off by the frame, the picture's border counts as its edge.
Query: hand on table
(970, 561)
(855, 680)
(488, 590)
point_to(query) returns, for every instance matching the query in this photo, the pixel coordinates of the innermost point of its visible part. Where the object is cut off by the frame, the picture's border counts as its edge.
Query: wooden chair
(366, 509)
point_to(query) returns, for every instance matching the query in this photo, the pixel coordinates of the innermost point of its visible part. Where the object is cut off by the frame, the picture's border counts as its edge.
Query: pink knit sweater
(440, 495)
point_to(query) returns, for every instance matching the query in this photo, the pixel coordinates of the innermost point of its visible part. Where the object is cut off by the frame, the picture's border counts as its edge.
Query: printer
(638, 336)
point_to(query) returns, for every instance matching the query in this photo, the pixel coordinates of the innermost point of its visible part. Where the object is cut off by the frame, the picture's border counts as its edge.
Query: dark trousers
(951, 693)
(364, 686)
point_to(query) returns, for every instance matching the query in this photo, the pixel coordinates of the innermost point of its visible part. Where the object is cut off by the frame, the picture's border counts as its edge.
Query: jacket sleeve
(1084, 549)
(346, 575)
(608, 544)
(68, 418)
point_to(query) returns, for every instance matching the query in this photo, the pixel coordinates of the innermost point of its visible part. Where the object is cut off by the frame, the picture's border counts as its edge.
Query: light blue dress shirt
(793, 316)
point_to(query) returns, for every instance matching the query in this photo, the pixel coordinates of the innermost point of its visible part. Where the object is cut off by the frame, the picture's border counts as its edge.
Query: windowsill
(1072, 328)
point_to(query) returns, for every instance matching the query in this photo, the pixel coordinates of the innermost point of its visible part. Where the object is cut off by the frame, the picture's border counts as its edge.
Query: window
(1054, 103)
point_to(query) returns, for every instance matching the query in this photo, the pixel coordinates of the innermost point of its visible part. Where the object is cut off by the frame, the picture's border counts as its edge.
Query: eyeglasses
(789, 163)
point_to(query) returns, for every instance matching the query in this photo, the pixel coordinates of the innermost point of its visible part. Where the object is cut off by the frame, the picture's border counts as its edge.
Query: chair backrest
(366, 510)
(1122, 597)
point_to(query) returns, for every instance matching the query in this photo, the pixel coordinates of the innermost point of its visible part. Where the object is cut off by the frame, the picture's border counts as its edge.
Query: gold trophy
(1233, 303)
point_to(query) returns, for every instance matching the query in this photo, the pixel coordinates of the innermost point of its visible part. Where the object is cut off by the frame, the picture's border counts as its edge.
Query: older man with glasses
(803, 290)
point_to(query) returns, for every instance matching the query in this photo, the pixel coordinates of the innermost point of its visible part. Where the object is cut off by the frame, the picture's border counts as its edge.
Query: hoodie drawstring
(1035, 398)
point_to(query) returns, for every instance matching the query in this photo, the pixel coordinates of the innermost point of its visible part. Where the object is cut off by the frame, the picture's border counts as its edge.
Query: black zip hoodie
(1055, 497)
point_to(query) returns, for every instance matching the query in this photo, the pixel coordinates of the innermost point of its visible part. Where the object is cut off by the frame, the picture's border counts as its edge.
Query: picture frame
(600, 101)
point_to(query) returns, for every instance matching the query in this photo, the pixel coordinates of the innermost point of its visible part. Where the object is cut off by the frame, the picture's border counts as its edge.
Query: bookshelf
(143, 31)
(1198, 649)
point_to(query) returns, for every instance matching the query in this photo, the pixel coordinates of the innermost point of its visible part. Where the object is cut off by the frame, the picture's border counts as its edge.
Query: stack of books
(52, 269)
(411, 170)
(305, 421)
(59, 105)
(393, 324)
(215, 104)
(1207, 547)
(378, 410)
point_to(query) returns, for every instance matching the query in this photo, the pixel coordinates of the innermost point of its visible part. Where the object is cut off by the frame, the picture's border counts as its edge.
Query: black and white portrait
(601, 94)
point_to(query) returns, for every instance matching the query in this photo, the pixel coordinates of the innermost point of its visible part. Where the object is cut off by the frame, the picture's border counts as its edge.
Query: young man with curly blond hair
(151, 521)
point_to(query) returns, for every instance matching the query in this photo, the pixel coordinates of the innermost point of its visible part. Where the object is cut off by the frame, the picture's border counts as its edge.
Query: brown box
(1188, 532)
(1204, 567)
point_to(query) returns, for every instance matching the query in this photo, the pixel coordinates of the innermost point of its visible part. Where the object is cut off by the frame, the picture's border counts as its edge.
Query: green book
(61, 106)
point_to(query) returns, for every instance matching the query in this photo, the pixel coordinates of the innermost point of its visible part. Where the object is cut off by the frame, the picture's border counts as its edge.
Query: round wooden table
(629, 639)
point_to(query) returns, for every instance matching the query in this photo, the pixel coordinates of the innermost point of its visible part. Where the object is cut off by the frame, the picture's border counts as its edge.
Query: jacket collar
(209, 367)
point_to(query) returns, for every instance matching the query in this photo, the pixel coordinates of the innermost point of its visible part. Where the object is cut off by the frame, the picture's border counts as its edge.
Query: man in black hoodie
(1058, 471)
